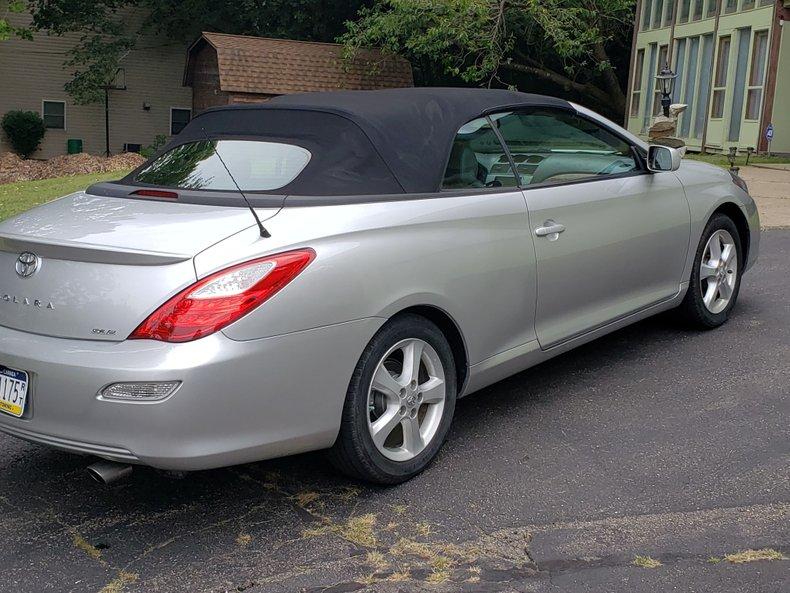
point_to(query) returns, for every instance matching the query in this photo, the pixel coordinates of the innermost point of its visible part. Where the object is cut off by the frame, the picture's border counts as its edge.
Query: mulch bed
(12, 168)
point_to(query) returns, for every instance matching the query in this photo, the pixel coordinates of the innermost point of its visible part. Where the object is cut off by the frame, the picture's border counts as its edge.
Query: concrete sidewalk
(770, 188)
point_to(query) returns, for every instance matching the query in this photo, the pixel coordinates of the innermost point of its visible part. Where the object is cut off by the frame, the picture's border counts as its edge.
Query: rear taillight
(222, 298)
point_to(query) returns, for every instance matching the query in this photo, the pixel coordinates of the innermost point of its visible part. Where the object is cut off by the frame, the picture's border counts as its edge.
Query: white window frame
(170, 127)
(65, 123)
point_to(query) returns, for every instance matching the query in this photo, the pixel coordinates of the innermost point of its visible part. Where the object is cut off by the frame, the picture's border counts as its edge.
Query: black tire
(693, 307)
(354, 452)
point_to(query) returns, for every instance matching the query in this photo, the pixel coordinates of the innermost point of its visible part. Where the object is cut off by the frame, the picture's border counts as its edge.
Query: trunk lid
(100, 265)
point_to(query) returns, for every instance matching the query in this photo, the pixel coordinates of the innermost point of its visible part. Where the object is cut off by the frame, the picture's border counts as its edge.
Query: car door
(610, 238)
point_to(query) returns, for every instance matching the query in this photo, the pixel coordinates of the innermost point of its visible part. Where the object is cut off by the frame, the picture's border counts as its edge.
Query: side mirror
(663, 158)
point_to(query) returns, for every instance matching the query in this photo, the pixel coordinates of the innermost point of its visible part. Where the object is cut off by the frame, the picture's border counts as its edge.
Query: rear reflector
(156, 193)
(140, 391)
(222, 298)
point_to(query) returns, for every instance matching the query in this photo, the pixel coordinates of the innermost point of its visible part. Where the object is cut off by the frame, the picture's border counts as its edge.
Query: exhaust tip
(107, 472)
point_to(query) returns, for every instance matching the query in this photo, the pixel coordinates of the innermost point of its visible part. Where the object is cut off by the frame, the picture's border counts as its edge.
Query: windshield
(255, 165)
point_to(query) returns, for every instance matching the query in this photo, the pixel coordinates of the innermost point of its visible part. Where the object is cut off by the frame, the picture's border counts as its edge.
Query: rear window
(256, 166)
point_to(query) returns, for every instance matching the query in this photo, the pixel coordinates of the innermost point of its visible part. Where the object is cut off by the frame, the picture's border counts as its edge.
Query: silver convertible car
(333, 270)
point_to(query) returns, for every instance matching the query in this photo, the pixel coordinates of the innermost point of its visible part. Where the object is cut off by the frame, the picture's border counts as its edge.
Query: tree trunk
(611, 83)
(600, 96)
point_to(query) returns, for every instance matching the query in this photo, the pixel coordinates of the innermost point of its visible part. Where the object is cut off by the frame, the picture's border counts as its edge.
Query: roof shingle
(282, 66)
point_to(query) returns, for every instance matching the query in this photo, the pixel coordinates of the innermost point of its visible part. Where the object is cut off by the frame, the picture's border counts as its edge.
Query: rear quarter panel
(470, 256)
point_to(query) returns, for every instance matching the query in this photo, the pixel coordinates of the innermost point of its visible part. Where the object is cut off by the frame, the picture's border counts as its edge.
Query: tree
(565, 43)
(7, 30)
(107, 35)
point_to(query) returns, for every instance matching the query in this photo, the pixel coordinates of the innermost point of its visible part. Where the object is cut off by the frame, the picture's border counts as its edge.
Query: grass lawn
(23, 195)
(740, 161)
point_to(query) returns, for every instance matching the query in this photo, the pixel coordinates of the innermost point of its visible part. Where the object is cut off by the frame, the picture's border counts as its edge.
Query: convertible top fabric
(363, 142)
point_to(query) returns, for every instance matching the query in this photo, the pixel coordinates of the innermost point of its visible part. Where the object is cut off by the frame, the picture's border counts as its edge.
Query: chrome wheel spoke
(412, 357)
(433, 391)
(412, 438)
(383, 427)
(727, 252)
(715, 248)
(725, 290)
(710, 294)
(385, 383)
(707, 270)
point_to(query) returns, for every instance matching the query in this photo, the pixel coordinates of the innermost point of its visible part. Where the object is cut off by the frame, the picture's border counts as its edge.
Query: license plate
(13, 391)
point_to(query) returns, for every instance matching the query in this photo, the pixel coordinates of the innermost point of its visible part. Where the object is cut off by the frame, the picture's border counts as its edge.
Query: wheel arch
(734, 213)
(451, 331)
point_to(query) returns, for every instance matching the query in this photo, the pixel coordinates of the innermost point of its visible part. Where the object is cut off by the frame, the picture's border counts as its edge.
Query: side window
(477, 159)
(556, 146)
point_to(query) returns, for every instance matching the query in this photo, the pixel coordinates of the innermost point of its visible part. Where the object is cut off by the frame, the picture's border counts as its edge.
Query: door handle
(550, 229)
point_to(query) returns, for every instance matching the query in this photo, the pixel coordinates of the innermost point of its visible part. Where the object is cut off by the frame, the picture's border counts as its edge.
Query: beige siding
(31, 72)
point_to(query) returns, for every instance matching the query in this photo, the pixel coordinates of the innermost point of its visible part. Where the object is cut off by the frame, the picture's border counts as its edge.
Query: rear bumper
(239, 401)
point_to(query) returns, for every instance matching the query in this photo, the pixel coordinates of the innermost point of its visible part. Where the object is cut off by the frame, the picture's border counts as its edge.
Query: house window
(685, 6)
(663, 54)
(747, 5)
(754, 96)
(658, 9)
(54, 114)
(179, 118)
(720, 82)
(698, 9)
(730, 6)
(669, 13)
(647, 13)
(713, 6)
(636, 88)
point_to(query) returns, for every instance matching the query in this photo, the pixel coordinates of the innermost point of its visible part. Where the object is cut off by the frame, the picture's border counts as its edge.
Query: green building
(732, 58)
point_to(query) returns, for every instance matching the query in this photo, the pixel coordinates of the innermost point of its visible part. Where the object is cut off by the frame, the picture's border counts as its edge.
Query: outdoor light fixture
(666, 80)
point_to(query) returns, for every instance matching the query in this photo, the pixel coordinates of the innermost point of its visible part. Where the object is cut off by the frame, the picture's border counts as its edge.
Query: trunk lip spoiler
(87, 252)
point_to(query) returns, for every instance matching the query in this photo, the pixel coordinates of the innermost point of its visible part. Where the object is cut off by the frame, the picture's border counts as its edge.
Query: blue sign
(769, 132)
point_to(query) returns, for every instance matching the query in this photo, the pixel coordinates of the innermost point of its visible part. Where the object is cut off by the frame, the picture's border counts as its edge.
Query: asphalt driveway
(654, 441)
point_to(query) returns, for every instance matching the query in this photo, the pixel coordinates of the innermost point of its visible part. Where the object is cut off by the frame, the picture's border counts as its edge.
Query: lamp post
(666, 80)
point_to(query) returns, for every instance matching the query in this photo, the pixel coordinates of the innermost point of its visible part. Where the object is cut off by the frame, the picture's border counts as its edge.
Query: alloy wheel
(406, 399)
(718, 271)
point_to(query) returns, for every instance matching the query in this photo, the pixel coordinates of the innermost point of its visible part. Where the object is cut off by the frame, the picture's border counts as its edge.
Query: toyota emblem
(27, 264)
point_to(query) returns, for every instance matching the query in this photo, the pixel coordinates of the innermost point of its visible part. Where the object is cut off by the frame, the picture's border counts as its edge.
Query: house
(223, 69)
(153, 94)
(154, 101)
(732, 58)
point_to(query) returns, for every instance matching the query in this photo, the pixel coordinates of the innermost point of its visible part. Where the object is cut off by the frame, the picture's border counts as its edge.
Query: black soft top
(362, 142)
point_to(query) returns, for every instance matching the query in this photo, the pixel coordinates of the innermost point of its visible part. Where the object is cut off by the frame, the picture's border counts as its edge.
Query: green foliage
(562, 43)
(25, 130)
(7, 30)
(151, 149)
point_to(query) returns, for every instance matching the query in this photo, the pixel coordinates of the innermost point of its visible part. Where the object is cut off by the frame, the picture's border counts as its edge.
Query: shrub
(25, 130)
(151, 149)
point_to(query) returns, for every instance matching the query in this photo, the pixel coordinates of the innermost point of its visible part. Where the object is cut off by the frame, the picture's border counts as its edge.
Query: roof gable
(280, 66)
